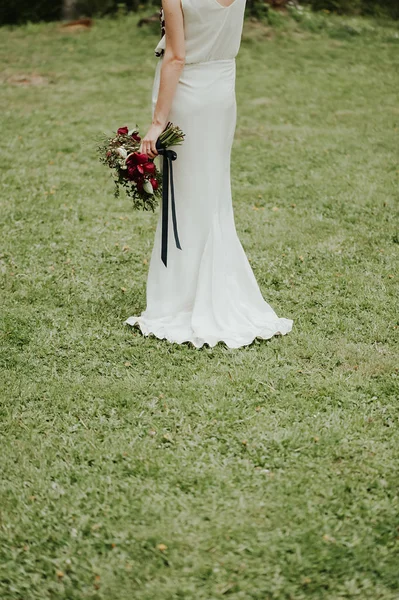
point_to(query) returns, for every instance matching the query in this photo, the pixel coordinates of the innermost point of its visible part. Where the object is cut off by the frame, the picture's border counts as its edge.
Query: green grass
(268, 472)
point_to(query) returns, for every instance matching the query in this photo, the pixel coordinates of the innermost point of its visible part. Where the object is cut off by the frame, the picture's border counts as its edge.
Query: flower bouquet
(134, 171)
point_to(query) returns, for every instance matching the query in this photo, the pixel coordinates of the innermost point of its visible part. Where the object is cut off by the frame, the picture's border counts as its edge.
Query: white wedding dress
(208, 292)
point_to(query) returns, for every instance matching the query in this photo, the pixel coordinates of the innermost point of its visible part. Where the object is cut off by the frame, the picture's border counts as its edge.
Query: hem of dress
(280, 326)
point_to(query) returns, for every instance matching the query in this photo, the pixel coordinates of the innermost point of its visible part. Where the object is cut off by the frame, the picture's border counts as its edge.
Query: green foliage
(132, 468)
(365, 7)
(338, 27)
(92, 8)
(257, 9)
(338, 6)
(381, 8)
(21, 11)
(275, 18)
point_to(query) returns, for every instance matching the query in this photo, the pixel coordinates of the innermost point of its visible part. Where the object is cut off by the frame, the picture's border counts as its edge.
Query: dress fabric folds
(208, 292)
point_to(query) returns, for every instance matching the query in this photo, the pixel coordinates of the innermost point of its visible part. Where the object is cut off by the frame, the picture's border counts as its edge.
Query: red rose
(123, 130)
(136, 137)
(137, 159)
(149, 168)
(154, 183)
(132, 172)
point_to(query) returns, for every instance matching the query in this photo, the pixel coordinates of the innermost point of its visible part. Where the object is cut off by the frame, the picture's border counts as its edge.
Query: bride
(207, 293)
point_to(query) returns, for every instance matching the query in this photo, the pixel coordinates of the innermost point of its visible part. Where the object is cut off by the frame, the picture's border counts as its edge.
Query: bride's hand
(150, 139)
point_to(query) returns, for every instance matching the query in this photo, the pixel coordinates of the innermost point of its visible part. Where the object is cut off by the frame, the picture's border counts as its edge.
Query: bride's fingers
(150, 149)
(154, 148)
(147, 149)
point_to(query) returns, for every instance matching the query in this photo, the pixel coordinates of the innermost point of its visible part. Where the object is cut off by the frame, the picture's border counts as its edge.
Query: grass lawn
(134, 469)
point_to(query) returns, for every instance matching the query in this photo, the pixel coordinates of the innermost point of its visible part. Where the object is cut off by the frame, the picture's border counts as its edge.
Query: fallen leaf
(97, 582)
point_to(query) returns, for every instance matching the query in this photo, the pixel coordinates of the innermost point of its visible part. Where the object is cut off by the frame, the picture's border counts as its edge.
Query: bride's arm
(172, 65)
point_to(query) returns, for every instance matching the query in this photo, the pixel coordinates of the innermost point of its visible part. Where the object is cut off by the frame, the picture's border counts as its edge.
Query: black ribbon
(167, 175)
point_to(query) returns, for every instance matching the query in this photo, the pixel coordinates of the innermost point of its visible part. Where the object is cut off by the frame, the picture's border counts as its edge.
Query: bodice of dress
(211, 31)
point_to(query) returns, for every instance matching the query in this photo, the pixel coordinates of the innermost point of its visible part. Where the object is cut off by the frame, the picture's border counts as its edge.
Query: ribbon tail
(165, 194)
(174, 218)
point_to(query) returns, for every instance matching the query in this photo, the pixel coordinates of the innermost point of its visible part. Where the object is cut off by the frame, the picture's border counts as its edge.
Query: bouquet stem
(171, 136)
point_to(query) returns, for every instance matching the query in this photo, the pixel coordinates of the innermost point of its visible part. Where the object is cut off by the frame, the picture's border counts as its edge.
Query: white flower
(122, 152)
(148, 187)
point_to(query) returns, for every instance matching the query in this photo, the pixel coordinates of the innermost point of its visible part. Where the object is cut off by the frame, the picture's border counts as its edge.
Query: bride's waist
(217, 69)
(211, 62)
(202, 74)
